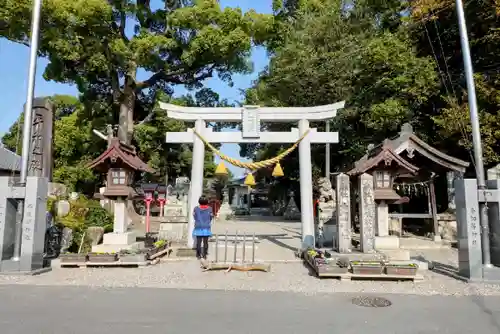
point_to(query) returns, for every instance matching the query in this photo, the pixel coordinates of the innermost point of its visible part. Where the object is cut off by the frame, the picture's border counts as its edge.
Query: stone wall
(447, 224)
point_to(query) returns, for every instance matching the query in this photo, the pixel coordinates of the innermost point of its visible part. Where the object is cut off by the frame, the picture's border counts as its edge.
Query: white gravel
(293, 277)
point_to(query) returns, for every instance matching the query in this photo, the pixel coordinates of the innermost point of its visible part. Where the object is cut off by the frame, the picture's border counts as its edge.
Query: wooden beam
(264, 137)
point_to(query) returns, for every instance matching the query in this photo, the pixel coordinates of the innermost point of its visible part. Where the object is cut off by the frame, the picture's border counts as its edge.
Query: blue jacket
(202, 221)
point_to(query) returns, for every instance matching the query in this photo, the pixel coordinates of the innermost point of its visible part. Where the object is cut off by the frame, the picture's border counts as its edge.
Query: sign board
(250, 122)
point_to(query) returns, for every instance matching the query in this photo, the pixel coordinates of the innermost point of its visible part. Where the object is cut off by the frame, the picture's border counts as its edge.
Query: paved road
(75, 310)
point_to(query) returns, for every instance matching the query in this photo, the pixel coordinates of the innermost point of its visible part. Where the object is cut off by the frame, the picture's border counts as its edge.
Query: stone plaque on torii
(251, 117)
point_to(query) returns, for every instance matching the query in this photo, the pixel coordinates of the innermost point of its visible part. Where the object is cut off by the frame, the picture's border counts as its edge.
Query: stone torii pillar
(251, 116)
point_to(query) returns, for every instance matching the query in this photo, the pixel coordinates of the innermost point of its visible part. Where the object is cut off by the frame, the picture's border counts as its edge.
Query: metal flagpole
(476, 134)
(28, 112)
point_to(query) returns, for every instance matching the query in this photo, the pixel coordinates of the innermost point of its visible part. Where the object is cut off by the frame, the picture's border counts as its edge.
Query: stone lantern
(119, 162)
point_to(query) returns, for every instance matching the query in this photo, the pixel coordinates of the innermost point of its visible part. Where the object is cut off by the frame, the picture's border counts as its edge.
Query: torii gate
(251, 116)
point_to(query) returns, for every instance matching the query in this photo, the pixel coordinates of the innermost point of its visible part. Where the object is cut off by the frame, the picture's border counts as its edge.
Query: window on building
(119, 177)
(383, 179)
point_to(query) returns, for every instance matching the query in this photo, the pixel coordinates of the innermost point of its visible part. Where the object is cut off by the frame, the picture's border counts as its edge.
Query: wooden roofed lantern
(119, 162)
(407, 158)
(385, 166)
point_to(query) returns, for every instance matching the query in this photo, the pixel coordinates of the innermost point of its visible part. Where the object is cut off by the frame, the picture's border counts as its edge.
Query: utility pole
(476, 133)
(28, 122)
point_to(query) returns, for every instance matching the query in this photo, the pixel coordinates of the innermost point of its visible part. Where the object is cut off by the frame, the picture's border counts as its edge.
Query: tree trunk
(126, 117)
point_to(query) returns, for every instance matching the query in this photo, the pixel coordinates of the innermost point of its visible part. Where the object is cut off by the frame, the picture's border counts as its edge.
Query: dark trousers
(201, 247)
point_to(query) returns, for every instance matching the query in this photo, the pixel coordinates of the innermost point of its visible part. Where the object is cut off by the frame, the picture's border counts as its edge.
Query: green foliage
(98, 216)
(74, 145)
(327, 56)
(84, 213)
(100, 45)
(435, 32)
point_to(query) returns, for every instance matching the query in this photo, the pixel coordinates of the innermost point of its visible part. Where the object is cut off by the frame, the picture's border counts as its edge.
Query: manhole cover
(371, 302)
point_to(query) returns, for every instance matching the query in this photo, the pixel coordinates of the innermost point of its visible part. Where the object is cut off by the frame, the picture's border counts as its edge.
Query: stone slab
(173, 231)
(387, 242)
(103, 248)
(396, 254)
(113, 238)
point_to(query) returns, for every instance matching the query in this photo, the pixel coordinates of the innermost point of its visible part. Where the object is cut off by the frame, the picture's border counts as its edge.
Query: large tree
(434, 28)
(101, 45)
(330, 52)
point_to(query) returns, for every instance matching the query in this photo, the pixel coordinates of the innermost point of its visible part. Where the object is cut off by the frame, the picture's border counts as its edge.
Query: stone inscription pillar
(366, 213)
(306, 191)
(196, 188)
(343, 242)
(470, 258)
(40, 159)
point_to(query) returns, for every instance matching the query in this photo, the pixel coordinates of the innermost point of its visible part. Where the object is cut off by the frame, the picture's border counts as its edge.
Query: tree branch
(175, 77)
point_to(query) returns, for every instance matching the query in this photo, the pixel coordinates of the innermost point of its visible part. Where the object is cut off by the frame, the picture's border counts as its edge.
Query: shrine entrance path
(275, 240)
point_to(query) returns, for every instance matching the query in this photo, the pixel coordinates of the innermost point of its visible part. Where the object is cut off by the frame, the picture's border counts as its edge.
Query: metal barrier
(243, 265)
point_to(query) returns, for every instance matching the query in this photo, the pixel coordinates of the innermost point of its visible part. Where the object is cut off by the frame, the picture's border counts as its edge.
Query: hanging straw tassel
(221, 169)
(278, 171)
(250, 180)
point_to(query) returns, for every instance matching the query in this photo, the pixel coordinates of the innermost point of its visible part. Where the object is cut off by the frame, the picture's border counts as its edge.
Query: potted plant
(132, 255)
(73, 258)
(160, 245)
(102, 257)
(408, 269)
(367, 267)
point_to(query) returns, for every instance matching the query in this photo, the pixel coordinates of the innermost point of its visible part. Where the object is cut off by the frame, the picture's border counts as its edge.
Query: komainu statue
(325, 220)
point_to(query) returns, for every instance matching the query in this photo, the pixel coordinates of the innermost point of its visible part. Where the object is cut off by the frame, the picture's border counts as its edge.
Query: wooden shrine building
(406, 159)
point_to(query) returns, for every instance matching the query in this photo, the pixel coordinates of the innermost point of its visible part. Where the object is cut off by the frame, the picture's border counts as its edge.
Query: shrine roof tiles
(126, 153)
(385, 154)
(407, 142)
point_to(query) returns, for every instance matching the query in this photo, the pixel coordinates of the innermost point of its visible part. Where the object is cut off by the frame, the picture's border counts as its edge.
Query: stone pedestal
(382, 219)
(386, 242)
(34, 225)
(343, 241)
(120, 238)
(367, 213)
(120, 222)
(225, 211)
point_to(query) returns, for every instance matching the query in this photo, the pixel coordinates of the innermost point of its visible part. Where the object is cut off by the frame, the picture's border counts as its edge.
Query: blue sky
(14, 61)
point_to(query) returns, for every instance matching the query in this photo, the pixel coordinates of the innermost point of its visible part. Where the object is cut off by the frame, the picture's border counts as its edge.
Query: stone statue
(325, 190)
(325, 221)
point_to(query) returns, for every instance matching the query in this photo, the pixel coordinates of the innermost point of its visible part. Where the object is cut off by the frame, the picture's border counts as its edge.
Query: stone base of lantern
(115, 242)
(225, 212)
(386, 242)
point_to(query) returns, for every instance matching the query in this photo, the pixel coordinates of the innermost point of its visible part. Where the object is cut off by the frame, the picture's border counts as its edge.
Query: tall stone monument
(344, 237)
(41, 160)
(22, 242)
(366, 213)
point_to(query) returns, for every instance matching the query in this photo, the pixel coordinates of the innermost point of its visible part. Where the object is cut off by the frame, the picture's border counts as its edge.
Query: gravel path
(292, 277)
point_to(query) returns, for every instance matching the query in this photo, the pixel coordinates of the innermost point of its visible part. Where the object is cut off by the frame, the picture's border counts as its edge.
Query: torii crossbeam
(251, 116)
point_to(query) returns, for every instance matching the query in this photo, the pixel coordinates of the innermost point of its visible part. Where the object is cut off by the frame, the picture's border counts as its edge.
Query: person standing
(203, 216)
